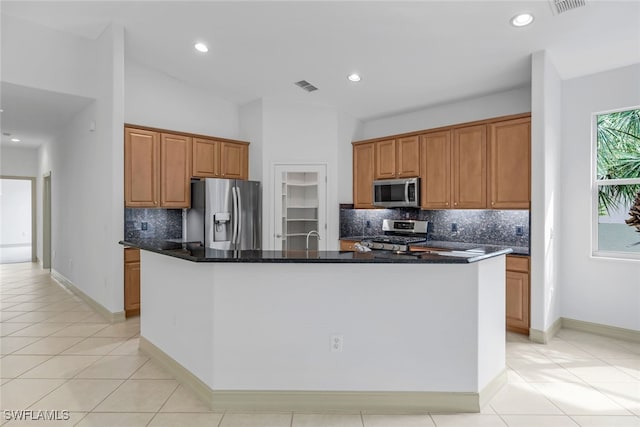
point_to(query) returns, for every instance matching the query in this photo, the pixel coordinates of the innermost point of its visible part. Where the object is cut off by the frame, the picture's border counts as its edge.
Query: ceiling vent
(561, 6)
(306, 85)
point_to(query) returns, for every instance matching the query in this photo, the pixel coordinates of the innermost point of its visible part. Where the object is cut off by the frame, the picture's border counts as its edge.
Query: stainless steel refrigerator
(225, 214)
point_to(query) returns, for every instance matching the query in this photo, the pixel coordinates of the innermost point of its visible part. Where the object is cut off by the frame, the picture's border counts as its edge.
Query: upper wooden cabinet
(175, 171)
(435, 164)
(385, 159)
(397, 158)
(363, 166)
(234, 160)
(206, 158)
(141, 168)
(510, 164)
(469, 167)
(485, 164)
(220, 159)
(157, 169)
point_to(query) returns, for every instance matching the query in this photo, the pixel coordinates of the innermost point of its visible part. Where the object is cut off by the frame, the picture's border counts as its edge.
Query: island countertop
(193, 251)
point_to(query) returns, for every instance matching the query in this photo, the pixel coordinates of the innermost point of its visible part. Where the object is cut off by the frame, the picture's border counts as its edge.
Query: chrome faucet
(309, 235)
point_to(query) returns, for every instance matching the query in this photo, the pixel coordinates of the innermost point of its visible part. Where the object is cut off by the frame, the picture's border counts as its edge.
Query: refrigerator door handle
(239, 215)
(235, 216)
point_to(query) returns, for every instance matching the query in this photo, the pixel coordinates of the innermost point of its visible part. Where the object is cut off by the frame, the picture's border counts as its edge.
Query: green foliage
(618, 158)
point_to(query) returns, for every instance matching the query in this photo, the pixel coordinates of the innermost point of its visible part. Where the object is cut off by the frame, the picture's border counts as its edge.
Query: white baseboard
(543, 337)
(599, 329)
(334, 401)
(95, 305)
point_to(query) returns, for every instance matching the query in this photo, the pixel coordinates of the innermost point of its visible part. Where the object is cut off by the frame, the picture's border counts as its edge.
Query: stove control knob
(396, 247)
(378, 246)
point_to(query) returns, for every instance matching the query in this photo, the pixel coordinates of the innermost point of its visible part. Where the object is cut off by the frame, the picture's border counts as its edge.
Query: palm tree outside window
(618, 182)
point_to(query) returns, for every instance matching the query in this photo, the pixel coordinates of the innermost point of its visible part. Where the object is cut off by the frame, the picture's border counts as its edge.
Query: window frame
(595, 185)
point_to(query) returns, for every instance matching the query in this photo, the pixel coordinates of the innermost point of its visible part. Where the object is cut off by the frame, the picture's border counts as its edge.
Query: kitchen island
(271, 330)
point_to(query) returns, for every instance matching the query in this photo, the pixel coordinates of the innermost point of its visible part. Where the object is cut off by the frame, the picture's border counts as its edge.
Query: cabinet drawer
(131, 255)
(518, 263)
(347, 245)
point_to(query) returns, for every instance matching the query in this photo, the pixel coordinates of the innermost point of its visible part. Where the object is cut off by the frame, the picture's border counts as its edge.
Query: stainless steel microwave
(397, 193)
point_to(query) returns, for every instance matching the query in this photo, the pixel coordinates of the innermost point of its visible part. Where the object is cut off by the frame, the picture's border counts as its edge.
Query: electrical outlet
(519, 230)
(336, 343)
(454, 227)
(144, 225)
(368, 225)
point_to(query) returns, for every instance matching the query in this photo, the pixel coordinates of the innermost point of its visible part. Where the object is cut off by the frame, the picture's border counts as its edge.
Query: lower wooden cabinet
(517, 294)
(131, 282)
(348, 245)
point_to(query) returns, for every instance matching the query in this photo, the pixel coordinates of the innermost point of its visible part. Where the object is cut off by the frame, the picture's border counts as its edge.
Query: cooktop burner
(399, 235)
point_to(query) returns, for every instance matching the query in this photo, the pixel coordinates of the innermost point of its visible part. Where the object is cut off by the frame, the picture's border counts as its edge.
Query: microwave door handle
(406, 192)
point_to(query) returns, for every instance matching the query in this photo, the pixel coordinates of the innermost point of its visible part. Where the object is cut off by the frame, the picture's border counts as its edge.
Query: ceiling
(410, 55)
(34, 115)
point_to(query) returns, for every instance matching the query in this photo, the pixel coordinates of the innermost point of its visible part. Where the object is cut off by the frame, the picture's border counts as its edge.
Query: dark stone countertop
(192, 251)
(458, 246)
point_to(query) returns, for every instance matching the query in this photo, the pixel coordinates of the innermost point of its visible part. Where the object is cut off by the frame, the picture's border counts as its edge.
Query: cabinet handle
(493, 203)
(455, 204)
(446, 204)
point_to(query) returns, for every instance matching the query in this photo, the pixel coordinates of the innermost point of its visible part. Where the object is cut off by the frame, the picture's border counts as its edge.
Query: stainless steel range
(398, 235)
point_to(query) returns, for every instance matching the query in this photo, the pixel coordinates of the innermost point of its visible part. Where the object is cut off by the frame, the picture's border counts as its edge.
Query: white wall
(299, 133)
(347, 132)
(250, 123)
(87, 182)
(157, 100)
(597, 290)
(513, 101)
(15, 212)
(15, 161)
(546, 139)
(36, 56)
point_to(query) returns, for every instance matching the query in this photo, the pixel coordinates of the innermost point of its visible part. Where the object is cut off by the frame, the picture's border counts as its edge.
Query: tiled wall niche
(160, 223)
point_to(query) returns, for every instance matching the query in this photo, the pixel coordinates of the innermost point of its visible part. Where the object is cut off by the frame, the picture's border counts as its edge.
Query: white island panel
(268, 326)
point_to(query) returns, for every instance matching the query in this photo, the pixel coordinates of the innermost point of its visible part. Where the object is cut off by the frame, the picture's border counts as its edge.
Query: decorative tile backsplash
(472, 225)
(153, 223)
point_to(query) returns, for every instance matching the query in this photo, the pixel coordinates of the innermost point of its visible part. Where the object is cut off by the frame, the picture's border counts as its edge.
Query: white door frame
(46, 220)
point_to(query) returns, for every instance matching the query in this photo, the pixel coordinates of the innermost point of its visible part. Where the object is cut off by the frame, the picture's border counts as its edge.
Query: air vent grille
(306, 85)
(561, 6)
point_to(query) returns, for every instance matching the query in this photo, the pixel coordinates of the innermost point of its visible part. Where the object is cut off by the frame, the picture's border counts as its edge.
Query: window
(617, 184)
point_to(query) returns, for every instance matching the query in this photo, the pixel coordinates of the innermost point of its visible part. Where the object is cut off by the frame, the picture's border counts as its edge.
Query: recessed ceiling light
(15, 140)
(354, 77)
(201, 47)
(522, 19)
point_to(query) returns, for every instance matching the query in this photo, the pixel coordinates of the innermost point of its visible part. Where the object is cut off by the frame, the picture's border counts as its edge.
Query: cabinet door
(234, 162)
(363, 166)
(435, 167)
(132, 288)
(510, 164)
(206, 158)
(141, 170)
(385, 159)
(517, 303)
(470, 167)
(408, 157)
(131, 281)
(175, 170)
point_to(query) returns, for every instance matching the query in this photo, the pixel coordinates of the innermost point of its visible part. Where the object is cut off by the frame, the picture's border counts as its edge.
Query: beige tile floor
(56, 354)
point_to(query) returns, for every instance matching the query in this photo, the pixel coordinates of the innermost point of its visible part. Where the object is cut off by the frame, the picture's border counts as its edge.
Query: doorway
(46, 221)
(18, 226)
(299, 207)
